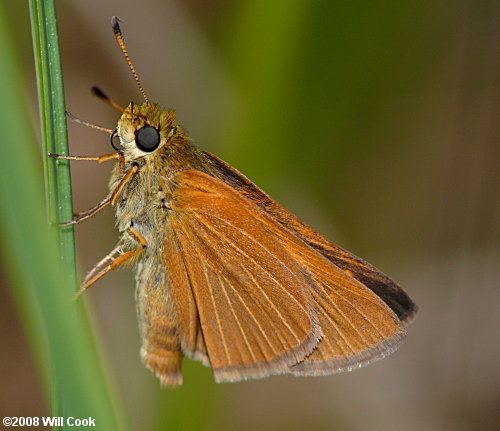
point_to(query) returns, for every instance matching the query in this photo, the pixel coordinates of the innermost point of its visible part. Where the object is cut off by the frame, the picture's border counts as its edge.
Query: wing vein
(350, 303)
(212, 298)
(320, 301)
(245, 339)
(254, 261)
(344, 316)
(360, 312)
(217, 317)
(274, 307)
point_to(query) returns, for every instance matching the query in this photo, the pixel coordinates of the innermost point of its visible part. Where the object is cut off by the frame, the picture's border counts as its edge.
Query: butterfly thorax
(144, 200)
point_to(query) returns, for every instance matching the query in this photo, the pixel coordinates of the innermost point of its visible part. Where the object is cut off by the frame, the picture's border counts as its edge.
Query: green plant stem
(40, 255)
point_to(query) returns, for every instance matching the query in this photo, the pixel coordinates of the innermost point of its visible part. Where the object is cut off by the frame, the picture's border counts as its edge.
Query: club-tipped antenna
(115, 23)
(104, 97)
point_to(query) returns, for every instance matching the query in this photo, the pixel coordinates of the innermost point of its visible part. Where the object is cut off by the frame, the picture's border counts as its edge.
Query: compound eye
(115, 141)
(147, 139)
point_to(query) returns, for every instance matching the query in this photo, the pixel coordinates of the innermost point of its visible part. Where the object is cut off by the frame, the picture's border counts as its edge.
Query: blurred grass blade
(262, 51)
(40, 260)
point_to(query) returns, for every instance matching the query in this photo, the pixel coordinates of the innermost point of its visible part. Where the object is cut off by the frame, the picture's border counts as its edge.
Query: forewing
(252, 298)
(357, 326)
(384, 287)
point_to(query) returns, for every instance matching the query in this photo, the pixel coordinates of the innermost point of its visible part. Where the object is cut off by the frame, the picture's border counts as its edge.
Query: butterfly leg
(110, 199)
(99, 159)
(114, 259)
(86, 123)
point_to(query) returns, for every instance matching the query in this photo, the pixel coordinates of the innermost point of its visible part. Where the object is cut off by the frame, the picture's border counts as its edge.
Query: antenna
(115, 23)
(101, 95)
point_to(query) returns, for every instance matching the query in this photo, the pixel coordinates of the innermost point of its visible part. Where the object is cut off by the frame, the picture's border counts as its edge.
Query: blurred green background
(376, 122)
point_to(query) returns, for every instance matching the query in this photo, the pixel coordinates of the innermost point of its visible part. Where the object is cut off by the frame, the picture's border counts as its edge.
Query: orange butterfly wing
(385, 288)
(259, 291)
(251, 298)
(357, 326)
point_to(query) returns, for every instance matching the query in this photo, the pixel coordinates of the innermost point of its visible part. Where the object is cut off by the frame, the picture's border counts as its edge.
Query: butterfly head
(144, 129)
